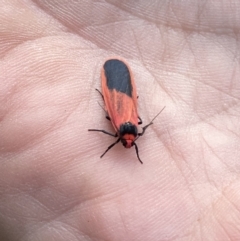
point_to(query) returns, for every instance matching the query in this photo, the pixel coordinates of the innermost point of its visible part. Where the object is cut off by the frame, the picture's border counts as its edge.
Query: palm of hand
(53, 184)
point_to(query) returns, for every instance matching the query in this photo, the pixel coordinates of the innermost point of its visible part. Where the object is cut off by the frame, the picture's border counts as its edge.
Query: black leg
(99, 93)
(107, 117)
(140, 121)
(144, 129)
(110, 147)
(105, 132)
(136, 148)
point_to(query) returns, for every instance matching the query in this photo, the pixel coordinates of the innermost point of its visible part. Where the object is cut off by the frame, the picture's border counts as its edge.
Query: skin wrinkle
(215, 153)
(183, 175)
(210, 180)
(5, 54)
(38, 6)
(21, 40)
(229, 200)
(212, 125)
(208, 84)
(202, 7)
(65, 211)
(233, 133)
(201, 120)
(227, 50)
(70, 209)
(211, 149)
(109, 24)
(186, 178)
(69, 229)
(235, 70)
(178, 26)
(162, 86)
(57, 218)
(55, 126)
(195, 230)
(124, 225)
(142, 59)
(40, 138)
(135, 39)
(201, 231)
(145, 19)
(99, 195)
(150, 72)
(178, 97)
(48, 225)
(219, 222)
(95, 43)
(208, 118)
(215, 88)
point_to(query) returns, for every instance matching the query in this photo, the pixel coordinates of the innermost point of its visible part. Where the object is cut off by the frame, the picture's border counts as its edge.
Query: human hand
(53, 184)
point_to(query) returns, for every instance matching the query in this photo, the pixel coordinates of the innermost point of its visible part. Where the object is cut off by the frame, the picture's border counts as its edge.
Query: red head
(128, 133)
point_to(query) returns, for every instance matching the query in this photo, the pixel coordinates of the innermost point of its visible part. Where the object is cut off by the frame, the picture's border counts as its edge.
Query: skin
(54, 186)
